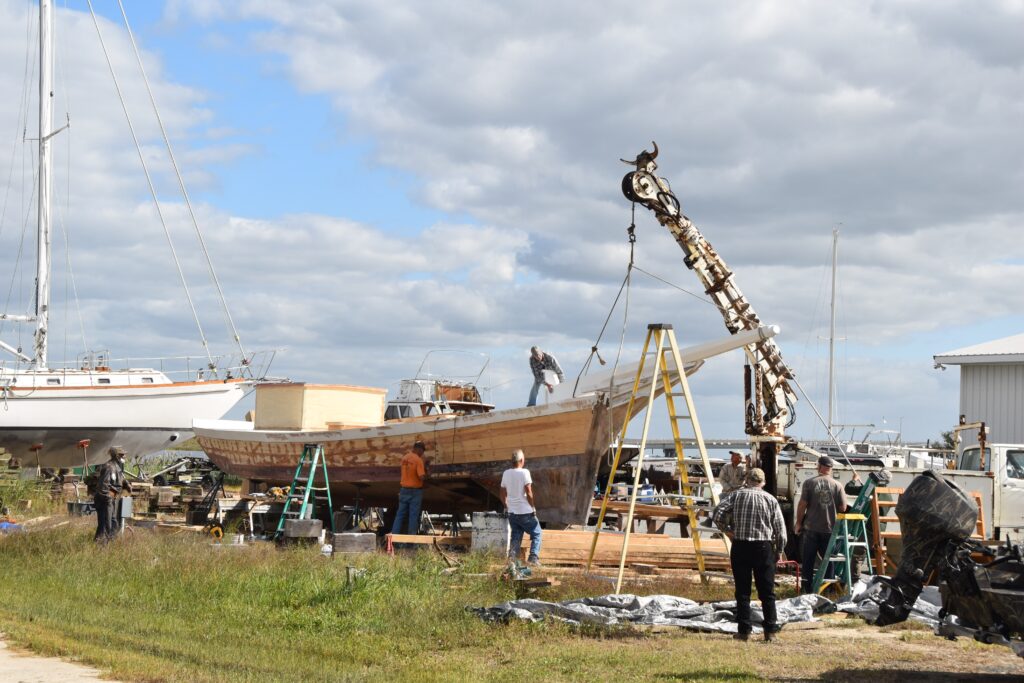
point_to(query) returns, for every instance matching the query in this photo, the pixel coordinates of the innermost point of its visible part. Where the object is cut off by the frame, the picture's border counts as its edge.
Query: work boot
(769, 636)
(741, 636)
(534, 562)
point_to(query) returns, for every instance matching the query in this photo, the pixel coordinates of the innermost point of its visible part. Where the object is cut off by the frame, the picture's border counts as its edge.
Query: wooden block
(430, 540)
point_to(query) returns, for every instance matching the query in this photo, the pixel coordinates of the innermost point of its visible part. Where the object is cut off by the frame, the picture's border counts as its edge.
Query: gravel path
(17, 666)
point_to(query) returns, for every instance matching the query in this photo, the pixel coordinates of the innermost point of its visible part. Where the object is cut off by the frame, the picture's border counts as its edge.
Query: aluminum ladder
(665, 375)
(304, 488)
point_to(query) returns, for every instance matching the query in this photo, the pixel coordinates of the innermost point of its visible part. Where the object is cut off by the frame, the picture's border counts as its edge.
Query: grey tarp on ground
(926, 608)
(653, 610)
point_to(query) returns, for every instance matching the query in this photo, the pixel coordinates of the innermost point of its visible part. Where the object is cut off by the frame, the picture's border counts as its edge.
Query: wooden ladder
(666, 374)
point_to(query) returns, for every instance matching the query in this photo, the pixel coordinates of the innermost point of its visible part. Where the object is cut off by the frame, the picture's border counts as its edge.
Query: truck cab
(1005, 462)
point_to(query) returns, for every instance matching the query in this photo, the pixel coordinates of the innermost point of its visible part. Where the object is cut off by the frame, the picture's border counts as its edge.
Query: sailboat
(58, 416)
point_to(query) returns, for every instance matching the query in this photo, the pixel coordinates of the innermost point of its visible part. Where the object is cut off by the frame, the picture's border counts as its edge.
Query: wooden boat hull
(563, 442)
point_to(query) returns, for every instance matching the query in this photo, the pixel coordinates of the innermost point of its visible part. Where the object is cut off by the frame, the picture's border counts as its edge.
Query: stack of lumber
(571, 548)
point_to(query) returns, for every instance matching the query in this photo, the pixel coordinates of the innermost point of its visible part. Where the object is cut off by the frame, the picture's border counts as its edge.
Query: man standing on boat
(110, 481)
(733, 474)
(410, 496)
(821, 499)
(752, 518)
(517, 497)
(539, 362)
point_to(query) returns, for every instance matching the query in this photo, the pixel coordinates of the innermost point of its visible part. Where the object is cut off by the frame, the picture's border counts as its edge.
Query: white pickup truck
(1000, 484)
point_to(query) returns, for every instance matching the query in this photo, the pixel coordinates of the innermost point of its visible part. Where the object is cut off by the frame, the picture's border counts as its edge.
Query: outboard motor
(933, 514)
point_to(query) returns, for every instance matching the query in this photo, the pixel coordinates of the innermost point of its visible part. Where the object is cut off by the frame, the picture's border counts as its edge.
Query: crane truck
(995, 471)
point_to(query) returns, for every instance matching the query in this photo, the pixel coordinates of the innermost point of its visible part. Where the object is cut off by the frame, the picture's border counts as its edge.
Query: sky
(378, 180)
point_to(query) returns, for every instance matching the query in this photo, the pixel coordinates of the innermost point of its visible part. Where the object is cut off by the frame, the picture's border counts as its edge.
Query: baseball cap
(755, 476)
(825, 461)
(116, 450)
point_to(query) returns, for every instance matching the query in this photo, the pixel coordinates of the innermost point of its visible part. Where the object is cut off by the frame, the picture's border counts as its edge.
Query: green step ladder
(849, 533)
(305, 489)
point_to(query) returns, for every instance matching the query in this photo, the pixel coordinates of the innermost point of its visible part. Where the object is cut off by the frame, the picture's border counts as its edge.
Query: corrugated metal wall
(994, 394)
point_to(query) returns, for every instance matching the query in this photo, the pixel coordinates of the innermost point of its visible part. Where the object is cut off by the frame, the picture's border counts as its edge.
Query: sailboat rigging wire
(17, 259)
(842, 451)
(149, 181)
(23, 103)
(181, 184)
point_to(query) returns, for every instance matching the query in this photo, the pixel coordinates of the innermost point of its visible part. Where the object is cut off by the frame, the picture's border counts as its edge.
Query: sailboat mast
(832, 331)
(45, 183)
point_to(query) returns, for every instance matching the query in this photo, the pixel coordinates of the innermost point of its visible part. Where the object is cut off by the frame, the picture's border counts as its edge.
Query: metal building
(991, 386)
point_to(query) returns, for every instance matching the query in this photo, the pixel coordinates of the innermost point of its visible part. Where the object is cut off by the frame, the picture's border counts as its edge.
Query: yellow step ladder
(668, 372)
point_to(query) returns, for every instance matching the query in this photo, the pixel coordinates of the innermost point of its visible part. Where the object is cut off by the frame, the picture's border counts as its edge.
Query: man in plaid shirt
(752, 518)
(539, 362)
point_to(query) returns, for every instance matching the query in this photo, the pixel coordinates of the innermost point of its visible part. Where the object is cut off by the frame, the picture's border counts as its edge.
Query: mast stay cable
(152, 188)
(181, 184)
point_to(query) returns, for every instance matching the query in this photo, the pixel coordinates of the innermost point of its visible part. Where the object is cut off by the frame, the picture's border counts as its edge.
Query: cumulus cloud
(776, 122)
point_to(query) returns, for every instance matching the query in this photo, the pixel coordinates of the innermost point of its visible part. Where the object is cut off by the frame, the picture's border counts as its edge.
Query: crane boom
(770, 397)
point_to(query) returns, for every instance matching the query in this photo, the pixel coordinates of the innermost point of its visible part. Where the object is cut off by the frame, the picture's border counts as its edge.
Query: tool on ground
(667, 373)
(849, 534)
(304, 489)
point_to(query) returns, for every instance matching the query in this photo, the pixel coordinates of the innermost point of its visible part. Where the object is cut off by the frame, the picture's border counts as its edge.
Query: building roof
(1005, 350)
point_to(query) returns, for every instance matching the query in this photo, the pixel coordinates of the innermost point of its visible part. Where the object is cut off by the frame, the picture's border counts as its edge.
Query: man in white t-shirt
(517, 497)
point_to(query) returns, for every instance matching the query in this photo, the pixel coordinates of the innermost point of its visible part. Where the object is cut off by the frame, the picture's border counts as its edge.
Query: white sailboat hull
(142, 419)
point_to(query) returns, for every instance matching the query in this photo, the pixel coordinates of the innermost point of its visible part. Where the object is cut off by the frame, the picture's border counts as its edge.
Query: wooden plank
(422, 539)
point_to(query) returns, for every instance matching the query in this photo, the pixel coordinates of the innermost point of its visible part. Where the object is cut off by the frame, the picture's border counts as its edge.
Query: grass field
(175, 608)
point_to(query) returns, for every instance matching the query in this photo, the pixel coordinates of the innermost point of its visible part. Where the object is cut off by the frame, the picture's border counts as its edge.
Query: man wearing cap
(539, 362)
(733, 474)
(752, 518)
(821, 499)
(410, 496)
(110, 481)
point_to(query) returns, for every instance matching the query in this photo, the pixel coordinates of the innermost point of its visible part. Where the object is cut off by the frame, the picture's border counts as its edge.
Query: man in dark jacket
(109, 483)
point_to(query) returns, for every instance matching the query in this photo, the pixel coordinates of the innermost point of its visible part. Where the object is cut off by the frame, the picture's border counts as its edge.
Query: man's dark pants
(813, 543)
(757, 558)
(105, 515)
(410, 502)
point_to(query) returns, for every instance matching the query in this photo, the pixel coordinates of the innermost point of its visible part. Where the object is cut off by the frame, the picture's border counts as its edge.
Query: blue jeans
(533, 393)
(409, 503)
(524, 524)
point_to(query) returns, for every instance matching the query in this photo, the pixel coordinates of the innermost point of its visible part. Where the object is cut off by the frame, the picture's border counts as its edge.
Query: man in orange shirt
(410, 496)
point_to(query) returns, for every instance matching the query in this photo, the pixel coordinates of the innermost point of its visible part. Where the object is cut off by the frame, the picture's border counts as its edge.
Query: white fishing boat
(64, 415)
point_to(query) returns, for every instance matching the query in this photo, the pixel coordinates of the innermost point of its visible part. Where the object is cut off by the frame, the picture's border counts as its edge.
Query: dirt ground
(18, 666)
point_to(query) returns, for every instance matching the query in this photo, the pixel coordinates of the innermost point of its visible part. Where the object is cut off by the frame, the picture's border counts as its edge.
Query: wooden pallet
(571, 548)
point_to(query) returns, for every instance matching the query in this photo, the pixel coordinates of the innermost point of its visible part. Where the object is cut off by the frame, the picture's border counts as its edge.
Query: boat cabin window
(971, 459)
(395, 412)
(52, 381)
(1015, 464)
(147, 380)
(103, 380)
